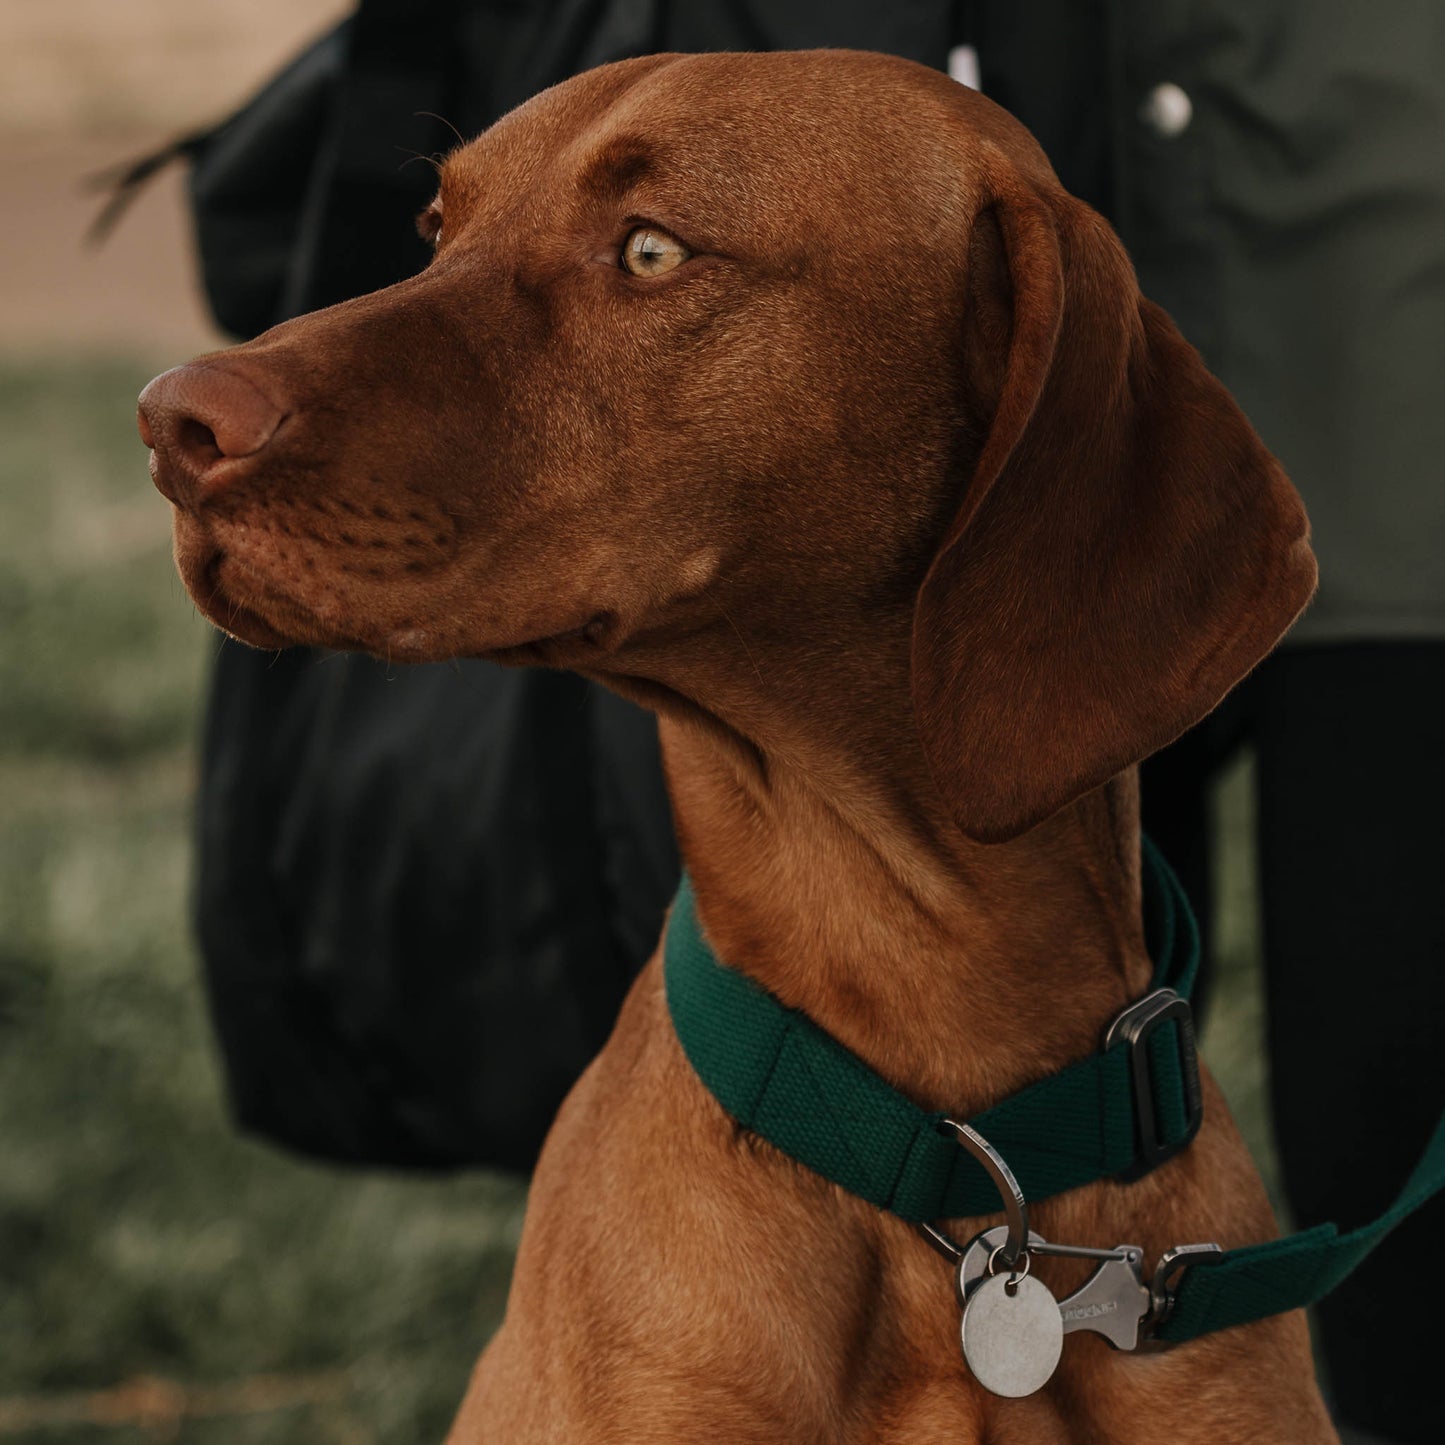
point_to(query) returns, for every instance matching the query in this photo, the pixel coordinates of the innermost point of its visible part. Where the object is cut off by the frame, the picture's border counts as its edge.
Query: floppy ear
(1126, 549)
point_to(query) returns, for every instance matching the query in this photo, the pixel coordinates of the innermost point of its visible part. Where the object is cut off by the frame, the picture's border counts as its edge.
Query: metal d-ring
(1016, 1209)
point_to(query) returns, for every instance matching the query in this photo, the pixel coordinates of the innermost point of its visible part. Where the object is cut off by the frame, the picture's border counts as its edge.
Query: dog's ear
(1126, 549)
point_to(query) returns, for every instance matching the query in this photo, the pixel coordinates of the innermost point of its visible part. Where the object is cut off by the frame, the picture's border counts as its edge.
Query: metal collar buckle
(1134, 1027)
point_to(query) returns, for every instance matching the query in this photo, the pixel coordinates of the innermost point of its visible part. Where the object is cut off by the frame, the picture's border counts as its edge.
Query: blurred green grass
(140, 1237)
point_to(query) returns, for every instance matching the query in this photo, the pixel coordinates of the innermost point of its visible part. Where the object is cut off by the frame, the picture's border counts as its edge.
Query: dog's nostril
(205, 411)
(197, 438)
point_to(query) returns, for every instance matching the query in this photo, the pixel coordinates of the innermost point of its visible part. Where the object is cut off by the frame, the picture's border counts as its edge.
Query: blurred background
(162, 1278)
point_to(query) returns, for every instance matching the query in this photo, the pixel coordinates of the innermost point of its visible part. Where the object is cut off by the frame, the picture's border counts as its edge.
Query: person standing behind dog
(1282, 190)
(494, 849)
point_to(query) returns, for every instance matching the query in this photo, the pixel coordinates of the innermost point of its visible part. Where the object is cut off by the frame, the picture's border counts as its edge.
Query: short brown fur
(918, 527)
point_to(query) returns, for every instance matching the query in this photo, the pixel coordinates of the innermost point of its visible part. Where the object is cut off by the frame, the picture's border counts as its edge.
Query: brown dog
(790, 395)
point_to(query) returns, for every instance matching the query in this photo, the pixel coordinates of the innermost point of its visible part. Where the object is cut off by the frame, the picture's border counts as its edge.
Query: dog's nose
(195, 417)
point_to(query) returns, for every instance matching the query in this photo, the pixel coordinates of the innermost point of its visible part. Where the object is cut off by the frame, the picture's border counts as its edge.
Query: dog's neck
(826, 869)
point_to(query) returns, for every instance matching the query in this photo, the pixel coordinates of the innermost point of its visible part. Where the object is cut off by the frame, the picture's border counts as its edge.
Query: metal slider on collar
(1133, 1029)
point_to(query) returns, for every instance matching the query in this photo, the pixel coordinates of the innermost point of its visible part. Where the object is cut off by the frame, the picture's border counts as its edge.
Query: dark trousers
(1350, 777)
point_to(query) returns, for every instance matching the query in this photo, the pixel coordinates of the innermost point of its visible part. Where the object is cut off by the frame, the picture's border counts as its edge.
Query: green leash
(1118, 1113)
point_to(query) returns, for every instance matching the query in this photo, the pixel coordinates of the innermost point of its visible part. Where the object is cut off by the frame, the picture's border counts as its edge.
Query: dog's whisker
(727, 617)
(432, 115)
(412, 155)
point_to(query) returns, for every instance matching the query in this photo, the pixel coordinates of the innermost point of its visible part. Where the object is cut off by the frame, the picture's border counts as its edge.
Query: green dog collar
(1118, 1113)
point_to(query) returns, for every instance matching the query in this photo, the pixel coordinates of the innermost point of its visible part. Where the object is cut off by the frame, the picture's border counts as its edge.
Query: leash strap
(1301, 1269)
(778, 1074)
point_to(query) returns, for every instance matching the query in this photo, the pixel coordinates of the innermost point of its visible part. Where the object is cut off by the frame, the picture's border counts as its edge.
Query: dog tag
(1012, 1341)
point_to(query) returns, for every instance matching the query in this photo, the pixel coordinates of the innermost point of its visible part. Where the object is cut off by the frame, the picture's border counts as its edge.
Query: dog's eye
(650, 252)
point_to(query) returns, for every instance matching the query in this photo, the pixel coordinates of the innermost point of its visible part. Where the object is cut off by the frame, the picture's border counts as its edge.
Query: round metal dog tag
(1012, 1342)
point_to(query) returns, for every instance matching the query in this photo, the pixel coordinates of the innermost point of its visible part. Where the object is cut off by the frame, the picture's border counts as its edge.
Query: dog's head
(781, 342)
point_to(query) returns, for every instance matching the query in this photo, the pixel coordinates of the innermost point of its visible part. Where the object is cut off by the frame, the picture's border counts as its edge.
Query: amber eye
(650, 252)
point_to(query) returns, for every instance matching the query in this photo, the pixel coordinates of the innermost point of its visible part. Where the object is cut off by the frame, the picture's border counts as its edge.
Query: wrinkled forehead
(768, 138)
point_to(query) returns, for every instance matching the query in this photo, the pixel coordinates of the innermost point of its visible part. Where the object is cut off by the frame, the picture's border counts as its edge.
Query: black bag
(423, 891)
(422, 896)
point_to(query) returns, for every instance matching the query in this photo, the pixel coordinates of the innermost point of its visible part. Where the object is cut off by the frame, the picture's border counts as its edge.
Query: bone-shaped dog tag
(1113, 1302)
(1013, 1334)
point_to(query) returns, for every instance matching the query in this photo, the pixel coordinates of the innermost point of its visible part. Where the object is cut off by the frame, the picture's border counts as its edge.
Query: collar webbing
(781, 1076)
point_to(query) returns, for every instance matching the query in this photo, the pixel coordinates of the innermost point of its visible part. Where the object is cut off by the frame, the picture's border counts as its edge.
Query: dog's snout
(197, 416)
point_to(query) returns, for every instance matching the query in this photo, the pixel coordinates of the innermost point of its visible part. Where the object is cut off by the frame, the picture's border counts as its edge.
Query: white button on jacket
(1168, 109)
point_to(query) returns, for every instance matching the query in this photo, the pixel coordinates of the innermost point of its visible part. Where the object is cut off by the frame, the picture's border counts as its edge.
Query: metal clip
(1113, 1302)
(1162, 1289)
